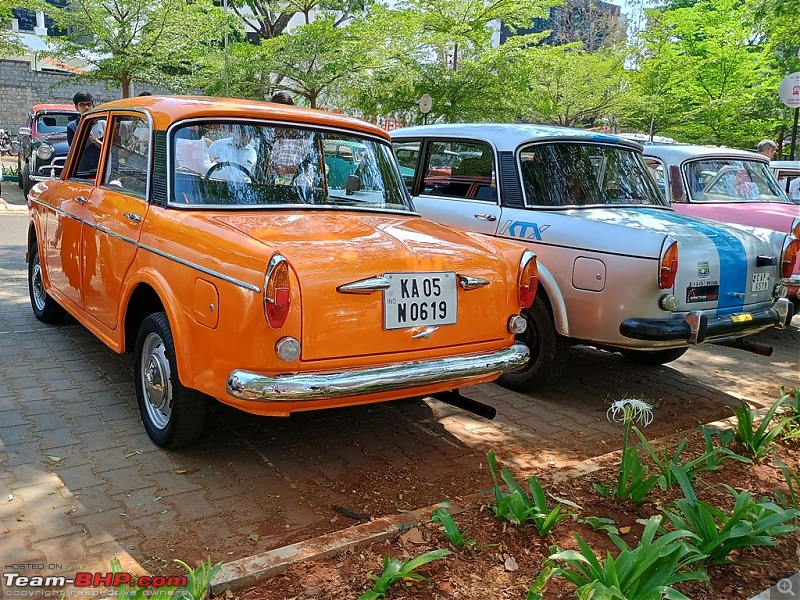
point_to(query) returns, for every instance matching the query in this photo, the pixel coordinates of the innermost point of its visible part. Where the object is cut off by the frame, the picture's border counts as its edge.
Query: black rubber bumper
(698, 326)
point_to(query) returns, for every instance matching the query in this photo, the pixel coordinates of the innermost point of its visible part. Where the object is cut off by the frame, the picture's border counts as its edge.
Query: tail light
(795, 231)
(668, 268)
(528, 279)
(790, 252)
(277, 291)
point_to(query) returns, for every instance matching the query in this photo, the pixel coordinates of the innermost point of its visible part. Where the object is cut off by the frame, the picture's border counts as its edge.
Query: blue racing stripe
(732, 258)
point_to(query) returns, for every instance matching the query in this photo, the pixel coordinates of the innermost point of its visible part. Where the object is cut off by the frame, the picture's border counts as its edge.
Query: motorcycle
(8, 144)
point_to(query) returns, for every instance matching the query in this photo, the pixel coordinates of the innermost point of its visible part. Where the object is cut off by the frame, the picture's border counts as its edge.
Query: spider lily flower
(630, 410)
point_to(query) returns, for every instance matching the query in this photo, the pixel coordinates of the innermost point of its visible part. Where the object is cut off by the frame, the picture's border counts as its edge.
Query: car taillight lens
(277, 292)
(528, 279)
(668, 268)
(796, 227)
(789, 256)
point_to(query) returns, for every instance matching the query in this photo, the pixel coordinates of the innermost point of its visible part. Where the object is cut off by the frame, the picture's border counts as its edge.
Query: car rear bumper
(698, 327)
(359, 382)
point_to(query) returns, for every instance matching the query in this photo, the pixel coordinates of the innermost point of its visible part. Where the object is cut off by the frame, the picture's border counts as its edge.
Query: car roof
(59, 107)
(681, 152)
(509, 136)
(166, 110)
(785, 164)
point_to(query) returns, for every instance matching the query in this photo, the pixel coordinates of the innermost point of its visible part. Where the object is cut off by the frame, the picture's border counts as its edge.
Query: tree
(10, 42)
(138, 40)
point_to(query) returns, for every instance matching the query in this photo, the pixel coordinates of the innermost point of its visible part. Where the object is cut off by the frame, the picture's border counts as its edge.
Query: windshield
(731, 180)
(573, 174)
(51, 123)
(237, 164)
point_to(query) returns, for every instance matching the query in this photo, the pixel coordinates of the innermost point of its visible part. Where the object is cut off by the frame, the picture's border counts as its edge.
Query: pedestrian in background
(282, 98)
(83, 102)
(767, 148)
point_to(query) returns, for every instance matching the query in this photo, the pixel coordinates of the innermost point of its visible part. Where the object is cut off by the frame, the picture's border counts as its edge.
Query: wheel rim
(156, 386)
(37, 287)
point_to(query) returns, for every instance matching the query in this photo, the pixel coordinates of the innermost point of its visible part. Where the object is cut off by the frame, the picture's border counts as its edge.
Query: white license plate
(760, 282)
(415, 299)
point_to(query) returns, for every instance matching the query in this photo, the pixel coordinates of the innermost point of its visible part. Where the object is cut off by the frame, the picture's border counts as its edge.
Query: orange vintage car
(206, 236)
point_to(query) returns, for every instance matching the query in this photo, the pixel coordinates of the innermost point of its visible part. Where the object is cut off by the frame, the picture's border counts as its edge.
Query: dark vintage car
(43, 143)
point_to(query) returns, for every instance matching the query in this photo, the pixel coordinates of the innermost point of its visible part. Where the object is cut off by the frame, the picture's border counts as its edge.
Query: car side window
(460, 169)
(129, 155)
(90, 144)
(407, 154)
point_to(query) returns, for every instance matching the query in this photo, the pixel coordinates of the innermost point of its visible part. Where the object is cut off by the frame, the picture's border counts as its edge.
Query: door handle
(82, 199)
(485, 217)
(133, 217)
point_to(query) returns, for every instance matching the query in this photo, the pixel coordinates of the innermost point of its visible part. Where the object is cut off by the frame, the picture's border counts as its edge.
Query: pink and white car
(725, 184)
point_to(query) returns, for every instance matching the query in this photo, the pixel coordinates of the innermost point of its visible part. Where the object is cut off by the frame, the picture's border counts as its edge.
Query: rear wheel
(173, 415)
(19, 173)
(653, 357)
(44, 307)
(549, 350)
(25, 176)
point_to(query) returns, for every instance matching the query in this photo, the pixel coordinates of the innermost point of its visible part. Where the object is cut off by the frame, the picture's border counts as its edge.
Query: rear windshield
(573, 174)
(247, 164)
(51, 123)
(732, 180)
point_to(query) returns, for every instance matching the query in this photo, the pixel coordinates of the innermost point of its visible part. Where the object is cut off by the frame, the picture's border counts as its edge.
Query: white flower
(630, 410)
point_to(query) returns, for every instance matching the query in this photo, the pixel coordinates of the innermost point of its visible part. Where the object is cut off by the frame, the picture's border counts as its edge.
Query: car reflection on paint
(619, 269)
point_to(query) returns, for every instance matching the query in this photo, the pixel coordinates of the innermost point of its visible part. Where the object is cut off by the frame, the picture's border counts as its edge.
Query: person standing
(83, 102)
(767, 148)
(282, 98)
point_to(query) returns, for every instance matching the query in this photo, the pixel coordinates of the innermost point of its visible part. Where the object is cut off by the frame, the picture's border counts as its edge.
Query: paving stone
(13, 418)
(47, 422)
(90, 500)
(39, 498)
(39, 407)
(20, 454)
(125, 480)
(56, 438)
(52, 524)
(79, 477)
(193, 505)
(104, 528)
(33, 474)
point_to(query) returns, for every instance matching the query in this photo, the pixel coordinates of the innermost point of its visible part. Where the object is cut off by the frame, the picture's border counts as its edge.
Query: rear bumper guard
(698, 327)
(371, 380)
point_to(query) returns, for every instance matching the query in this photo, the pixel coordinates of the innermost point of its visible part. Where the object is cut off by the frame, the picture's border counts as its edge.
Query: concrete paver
(87, 485)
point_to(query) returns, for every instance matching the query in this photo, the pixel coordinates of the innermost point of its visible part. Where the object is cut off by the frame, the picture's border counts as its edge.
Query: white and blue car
(618, 268)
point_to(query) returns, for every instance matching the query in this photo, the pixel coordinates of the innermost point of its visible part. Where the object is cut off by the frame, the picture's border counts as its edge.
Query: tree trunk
(125, 83)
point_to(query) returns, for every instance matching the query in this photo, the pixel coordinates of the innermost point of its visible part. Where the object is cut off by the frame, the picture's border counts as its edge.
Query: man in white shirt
(237, 150)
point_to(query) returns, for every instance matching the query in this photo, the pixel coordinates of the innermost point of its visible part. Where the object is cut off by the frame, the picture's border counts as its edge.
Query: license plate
(415, 299)
(760, 282)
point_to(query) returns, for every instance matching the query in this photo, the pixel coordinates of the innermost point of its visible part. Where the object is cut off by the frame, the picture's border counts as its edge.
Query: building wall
(21, 88)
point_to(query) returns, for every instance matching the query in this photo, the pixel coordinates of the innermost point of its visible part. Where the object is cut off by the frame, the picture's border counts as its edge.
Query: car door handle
(82, 199)
(485, 217)
(133, 217)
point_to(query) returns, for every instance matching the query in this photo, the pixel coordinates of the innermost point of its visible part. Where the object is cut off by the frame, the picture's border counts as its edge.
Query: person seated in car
(235, 150)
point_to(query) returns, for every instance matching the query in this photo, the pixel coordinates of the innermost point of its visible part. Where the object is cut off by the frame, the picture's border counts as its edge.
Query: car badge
(703, 270)
(424, 333)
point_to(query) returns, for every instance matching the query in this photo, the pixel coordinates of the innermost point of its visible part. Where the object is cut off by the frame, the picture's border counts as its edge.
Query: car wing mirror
(677, 191)
(24, 131)
(352, 185)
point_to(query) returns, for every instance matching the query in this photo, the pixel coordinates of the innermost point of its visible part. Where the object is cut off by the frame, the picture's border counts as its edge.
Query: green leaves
(196, 588)
(440, 515)
(757, 441)
(395, 570)
(646, 572)
(520, 508)
(717, 533)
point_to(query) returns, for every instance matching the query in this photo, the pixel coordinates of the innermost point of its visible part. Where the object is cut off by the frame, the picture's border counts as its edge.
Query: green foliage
(710, 460)
(145, 42)
(757, 441)
(599, 524)
(793, 481)
(749, 524)
(394, 570)
(10, 171)
(518, 507)
(646, 572)
(195, 589)
(791, 415)
(458, 539)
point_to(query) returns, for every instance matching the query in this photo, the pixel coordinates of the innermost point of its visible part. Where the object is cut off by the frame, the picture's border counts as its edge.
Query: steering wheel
(227, 163)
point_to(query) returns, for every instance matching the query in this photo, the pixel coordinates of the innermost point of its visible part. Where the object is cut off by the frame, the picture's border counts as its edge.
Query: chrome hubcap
(39, 295)
(156, 381)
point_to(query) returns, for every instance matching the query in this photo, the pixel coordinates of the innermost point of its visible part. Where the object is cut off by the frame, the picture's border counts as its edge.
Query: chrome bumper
(698, 327)
(372, 380)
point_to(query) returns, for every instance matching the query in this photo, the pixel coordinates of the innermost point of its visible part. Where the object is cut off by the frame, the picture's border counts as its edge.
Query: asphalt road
(81, 482)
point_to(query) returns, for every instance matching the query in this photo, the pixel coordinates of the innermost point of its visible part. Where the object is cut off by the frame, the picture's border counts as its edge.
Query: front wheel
(44, 307)
(654, 357)
(549, 350)
(25, 176)
(173, 415)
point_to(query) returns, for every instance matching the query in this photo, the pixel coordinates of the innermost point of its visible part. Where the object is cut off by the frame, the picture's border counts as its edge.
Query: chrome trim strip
(246, 385)
(365, 286)
(191, 265)
(186, 263)
(471, 283)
